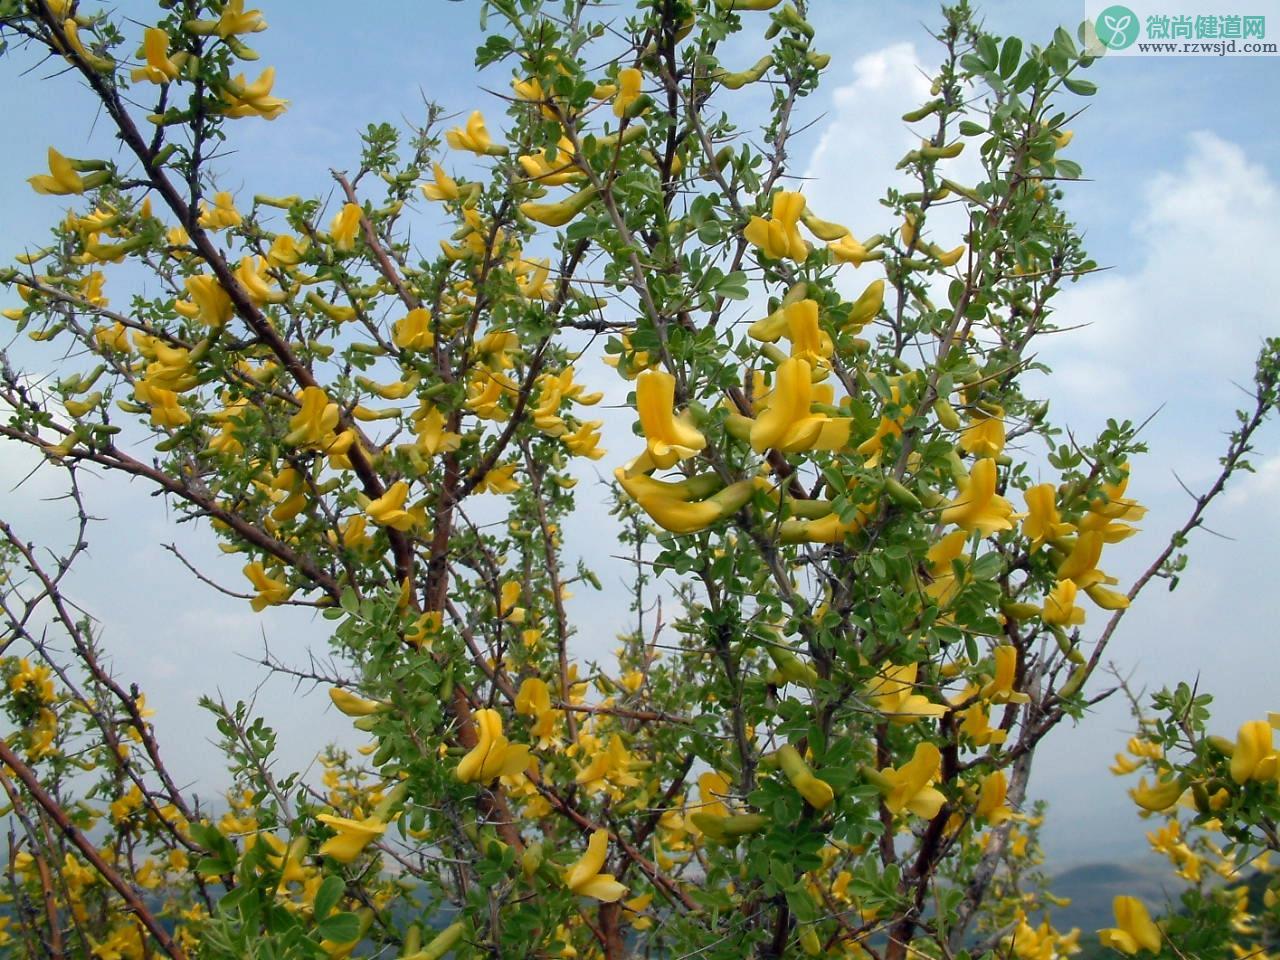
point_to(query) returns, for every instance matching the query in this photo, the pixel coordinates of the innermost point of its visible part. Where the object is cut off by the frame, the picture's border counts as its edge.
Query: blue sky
(1183, 156)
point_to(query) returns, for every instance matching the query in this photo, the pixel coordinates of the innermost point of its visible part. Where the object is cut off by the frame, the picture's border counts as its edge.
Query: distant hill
(1093, 887)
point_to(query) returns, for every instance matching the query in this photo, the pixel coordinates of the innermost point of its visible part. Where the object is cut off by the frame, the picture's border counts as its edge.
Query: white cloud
(1190, 300)
(865, 138)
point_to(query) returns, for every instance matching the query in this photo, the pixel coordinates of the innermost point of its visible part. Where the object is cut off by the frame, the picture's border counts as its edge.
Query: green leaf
(1081, 88)
(213, 867)
(1027, 76)
(970, 129)
(710, 233)
(1068, 168)
(986, 49)
(1063, 40)
(734, 286)
(340, 928)
(348, 601)
(328, 895)
(1010, 54)
(988, 566)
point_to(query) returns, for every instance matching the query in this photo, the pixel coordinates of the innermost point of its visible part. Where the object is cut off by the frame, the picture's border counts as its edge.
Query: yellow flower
(91, 288)
(508, 601)
(493, 755)
(500, 480)
(166, 411)
(177, 237)
(1081, 565)
(1107, 599)
(208, 302)
(260, 287)
(124, 806)
(585, 441)
(352, 836)
(531, 278)
(1000, 688)
(634, 911)
(1060, 608)
(977, 506)
(344, 227)
(1161, 795)
(584, 877)
(444, 187)
(629, 81)
(1254, 757)
(713, 787)
(1140, 747)
(253, 99)
(113, 339)
(552, 167)
(892, 693)
(984, 437)
(413, 330)
(816, 792)
(1114, 505)
(388, 510)
(673, 507)
(576, 391)
(159, 68)
(35, 679)
(788, 423)
(1042, 522)
(270, 590)
(941, 557)
(235, 19)
(531, 90)
(779, 237)
(977, 726)
(424, 629)
(610, 767)
(61, 179)
(910, 787)
(1134, 929)
(171, 368)
(1123, 765)
(71, 30)
(560, 212)
(286, 251)
(991, 806)
(433, 435)
(808, 340)
(849, 250)
(315, 420)
(295, 501)
(534, 700)
(351, 705)
(222, 214)
(475, 137)
(669, 438)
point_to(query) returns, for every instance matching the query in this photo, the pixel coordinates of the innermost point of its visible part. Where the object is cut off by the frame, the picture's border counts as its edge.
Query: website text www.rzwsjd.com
(1221, 48)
